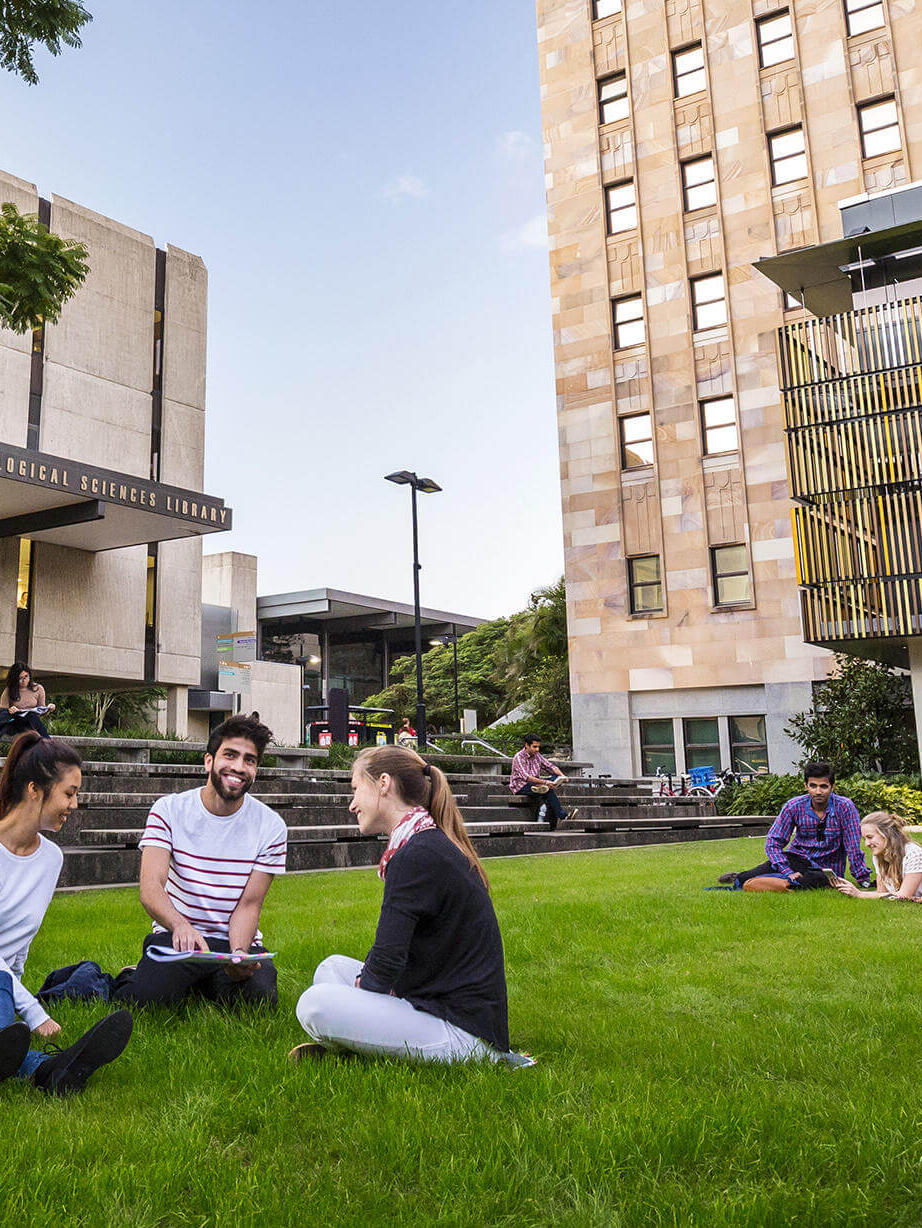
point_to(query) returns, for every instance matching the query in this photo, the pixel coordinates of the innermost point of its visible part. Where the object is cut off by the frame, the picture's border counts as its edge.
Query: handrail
(480, 742)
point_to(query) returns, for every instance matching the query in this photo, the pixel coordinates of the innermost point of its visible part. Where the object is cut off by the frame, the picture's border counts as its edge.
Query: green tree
(54, 24)
(861, 720)
(39, 271)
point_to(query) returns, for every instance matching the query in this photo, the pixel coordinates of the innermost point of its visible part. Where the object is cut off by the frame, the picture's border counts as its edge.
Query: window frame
(717, 576)
(677, 76)
(776, 161)
(703, 403)
(625, 444)
(688, 746)
(617, 325)
(634, 585)
(694, 282)
(856, 6)
(631, 207)
(603, 102)
(690, 187)
(657, 748)
(763, 45)
(863, 109)
(736, 746)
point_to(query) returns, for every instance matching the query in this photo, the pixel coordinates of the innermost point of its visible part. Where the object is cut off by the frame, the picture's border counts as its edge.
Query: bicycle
(712, 784)
(665, 784)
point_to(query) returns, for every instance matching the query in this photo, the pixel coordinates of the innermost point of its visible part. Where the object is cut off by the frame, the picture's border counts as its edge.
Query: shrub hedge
(767, 794)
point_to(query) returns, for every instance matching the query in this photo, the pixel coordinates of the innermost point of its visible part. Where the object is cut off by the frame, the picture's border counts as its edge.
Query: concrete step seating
(100, 839)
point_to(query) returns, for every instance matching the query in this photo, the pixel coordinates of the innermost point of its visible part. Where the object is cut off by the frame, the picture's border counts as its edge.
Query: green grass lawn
(705, 1058)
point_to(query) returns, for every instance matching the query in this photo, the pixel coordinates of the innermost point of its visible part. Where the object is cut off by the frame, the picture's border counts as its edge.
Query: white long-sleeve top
(26, 887)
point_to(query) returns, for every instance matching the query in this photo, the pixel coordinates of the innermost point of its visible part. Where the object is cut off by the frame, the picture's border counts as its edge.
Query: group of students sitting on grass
(432, 987)
(813, 836)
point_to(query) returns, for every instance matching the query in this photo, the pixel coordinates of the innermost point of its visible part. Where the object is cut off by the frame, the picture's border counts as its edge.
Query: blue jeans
(550, 798)
(8, 1016)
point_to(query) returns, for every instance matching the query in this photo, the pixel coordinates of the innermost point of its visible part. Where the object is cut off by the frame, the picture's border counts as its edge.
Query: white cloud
(404, 187)
(515, 146)
(531, 235)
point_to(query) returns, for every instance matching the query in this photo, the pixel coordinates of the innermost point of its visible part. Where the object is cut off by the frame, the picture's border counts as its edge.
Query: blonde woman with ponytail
(897, 859)
(433, 986)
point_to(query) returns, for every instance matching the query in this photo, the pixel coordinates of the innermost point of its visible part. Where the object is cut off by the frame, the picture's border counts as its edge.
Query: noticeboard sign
(239, 646)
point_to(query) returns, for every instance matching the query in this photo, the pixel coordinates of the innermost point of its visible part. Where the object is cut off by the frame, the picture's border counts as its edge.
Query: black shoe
(69, 1070)
(14, 1045)
(729, 877)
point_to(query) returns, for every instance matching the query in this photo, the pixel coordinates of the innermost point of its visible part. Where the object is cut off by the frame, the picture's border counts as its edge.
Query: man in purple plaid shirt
(526, 773)
(828, 829)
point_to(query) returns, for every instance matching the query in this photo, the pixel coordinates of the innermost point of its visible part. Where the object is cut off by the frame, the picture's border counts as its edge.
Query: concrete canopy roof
(820, 275)
(55, 499)
(332, 610)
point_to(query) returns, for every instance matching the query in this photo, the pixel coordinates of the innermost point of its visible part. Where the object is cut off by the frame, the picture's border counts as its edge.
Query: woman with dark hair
(433, 986)
(38, 790)
(23, 704)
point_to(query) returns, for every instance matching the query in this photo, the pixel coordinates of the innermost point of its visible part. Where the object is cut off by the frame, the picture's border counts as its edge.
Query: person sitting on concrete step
(814, 832)
(38, 791)
(209, 856)
(525, 780)
(23, 703)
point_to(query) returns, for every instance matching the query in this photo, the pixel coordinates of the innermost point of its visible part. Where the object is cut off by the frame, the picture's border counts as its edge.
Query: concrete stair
(100, 839)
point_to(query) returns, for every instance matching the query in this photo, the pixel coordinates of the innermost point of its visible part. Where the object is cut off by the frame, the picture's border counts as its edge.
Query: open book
(166, 955)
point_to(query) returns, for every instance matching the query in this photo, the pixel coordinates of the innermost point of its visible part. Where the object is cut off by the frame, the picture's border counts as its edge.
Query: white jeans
(337, 1014)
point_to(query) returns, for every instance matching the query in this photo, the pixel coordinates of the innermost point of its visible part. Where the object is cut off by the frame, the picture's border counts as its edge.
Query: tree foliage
(39, 271)
(501, 664)
(91, 713)
(861, 720)
(54, 24)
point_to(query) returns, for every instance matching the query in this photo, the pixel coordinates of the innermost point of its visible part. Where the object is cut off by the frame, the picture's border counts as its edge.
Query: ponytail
(35, 760)
(422, 784)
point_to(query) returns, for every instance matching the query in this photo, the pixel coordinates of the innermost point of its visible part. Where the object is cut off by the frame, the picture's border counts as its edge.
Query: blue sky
(365, 184)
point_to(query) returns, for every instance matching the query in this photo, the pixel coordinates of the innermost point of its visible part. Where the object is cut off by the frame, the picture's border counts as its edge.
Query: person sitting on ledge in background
(208, 859)
(897, 860)
(23, 703)
(433, 986)
(828, 829)
(406, 734)
(38, 791)
(525, 780)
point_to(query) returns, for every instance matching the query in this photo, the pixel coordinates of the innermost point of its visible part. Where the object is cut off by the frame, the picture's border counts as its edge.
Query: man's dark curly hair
(240, 727)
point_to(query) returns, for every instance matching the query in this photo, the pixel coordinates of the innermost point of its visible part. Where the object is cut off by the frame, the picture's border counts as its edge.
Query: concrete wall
(229, 579)
(15, 350)
(275, 693)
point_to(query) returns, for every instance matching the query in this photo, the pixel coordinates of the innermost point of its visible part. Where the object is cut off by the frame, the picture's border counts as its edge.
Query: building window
(702, 742)
(792, 302)
(709, 301)
(636, 440)
(24, 576)
(862, 15)
(622, 207)
(150, 605)
(698, 184)
(688, 71)
(880, 129)
(748, 747)
(605, 8)
(627, 314)
(657, 747)
(730, 566)
(776, 39)
(718, 420)
(788, 156)
(646, 585)
(613, 103)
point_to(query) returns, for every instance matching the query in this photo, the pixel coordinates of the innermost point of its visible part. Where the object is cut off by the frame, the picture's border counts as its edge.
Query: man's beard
(219, 787)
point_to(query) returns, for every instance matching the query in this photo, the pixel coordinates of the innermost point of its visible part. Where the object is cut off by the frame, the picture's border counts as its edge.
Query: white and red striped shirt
(212, 857)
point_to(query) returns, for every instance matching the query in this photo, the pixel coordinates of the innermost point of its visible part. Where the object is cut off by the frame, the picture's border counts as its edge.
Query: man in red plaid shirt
(526, 774)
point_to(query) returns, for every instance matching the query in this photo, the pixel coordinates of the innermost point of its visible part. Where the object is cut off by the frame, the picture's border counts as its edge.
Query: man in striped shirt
(208, 859)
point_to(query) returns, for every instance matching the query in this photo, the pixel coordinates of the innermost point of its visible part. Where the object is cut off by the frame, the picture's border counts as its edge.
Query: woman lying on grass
(38, 790)
(433, 986)
(897, 860)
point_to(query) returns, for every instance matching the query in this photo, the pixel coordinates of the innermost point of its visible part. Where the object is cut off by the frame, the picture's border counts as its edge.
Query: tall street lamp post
(404, 477)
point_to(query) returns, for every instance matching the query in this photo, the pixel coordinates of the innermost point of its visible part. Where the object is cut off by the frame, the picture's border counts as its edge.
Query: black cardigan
(438, 943)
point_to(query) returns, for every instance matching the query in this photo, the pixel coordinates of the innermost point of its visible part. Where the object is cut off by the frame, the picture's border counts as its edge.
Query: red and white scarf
(417, 820)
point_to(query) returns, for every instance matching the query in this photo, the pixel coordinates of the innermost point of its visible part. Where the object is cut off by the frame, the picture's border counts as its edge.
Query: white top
(26, 887)
(212, 857)
(912, 864)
